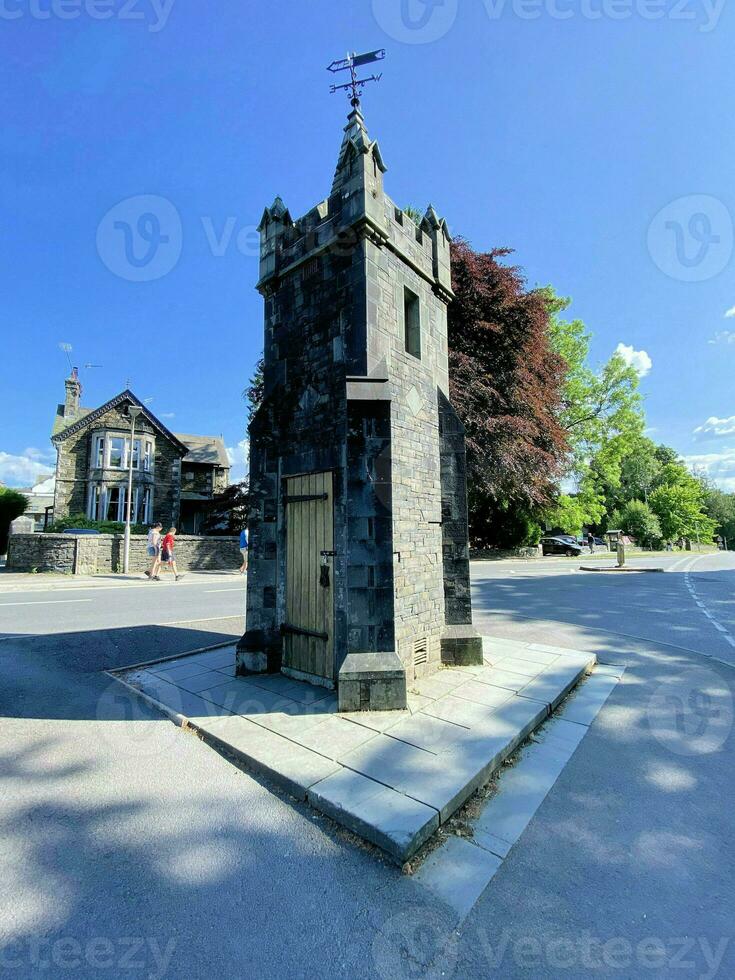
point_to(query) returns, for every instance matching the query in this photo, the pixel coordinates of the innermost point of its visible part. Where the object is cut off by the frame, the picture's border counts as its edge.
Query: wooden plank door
(308, 631)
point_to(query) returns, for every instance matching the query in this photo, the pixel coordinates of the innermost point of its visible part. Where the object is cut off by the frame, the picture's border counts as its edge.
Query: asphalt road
(131, 849)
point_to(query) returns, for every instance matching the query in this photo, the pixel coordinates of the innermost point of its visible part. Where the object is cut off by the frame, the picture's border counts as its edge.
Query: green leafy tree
(638, 520)
(12, 505)
(720, 506)
(574, 512)
(227, 513)
(601, 412)
(679, 505)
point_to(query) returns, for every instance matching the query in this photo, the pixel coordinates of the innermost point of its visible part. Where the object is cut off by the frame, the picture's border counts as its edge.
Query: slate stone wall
(90, 554)
(342, 393)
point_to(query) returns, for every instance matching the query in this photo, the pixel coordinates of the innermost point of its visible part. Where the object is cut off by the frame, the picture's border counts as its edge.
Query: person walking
(591, 542)
(167, 552)
(154, 551)
(244, 550)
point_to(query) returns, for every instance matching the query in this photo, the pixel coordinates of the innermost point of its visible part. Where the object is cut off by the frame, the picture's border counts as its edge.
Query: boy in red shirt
(167, 552)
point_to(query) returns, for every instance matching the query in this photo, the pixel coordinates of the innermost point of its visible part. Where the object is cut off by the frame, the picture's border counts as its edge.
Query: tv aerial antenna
(351, 63)
(67, 349)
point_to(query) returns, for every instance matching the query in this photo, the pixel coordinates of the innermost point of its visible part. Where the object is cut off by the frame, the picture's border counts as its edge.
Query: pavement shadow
(62, 675)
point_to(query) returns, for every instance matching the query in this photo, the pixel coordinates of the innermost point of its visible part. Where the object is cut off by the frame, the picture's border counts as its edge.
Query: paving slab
(179, 670)
(333, 737)
(427, 732)
(523, 789)
(586, 702)
(393, 821)
(554, 683)
(458, 873)
(502, 678)
(392, 776)
(481, 692)
(208, 679)
(176, 699)
(292, 766)
(527, 668)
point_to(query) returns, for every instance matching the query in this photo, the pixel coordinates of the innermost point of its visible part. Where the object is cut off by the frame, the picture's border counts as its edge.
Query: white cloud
(239, 457)
(25, 469)
(167, 415)
(724, 336)
(719, 467)
(716, 428)
(637, 359)
(730, 312)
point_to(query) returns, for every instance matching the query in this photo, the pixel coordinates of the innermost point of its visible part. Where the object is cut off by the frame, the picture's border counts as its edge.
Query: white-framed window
(114, 501)
(148, 456)
(116, 452)
(99, 451)
(136, 454)
(93, 505)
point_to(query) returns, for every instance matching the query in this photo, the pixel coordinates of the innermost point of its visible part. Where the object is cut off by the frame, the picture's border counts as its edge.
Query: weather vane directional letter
(351, 63)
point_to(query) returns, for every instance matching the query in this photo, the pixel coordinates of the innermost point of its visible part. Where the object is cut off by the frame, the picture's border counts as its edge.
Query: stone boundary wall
(494, 554)
(92, 554)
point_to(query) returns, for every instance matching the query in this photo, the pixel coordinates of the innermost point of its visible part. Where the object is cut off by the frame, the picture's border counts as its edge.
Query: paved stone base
(390, 776)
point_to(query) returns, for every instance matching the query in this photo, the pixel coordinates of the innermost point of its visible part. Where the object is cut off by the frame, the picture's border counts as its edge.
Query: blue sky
(592, 136)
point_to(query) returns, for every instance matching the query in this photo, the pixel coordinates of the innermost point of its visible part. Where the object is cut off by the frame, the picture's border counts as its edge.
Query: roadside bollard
(621, 553)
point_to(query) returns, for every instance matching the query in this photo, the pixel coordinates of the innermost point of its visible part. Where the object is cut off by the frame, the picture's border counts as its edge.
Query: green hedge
(104, 527)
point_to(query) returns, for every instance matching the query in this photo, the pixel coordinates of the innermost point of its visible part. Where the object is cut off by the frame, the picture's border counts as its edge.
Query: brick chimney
(73, 392)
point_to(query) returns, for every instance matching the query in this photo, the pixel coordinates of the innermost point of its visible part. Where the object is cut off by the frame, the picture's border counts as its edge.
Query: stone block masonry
(356, 400)
(96, 554)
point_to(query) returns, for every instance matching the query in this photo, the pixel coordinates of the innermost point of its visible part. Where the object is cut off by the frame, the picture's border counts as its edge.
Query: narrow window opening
(412, 320)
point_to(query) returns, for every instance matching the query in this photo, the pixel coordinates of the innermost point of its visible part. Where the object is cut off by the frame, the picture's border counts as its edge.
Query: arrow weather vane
(351, 63)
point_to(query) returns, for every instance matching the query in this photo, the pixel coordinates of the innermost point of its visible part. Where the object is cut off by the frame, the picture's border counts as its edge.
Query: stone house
(173, 474)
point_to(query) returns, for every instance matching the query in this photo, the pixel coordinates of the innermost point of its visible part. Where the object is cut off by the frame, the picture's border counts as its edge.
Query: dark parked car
(562, 544)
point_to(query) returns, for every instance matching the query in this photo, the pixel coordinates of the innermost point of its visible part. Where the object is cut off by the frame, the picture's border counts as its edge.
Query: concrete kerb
(174, 656)
(616, 568)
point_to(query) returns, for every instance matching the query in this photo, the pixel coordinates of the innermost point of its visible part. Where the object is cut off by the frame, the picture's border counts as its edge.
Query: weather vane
(351, 63)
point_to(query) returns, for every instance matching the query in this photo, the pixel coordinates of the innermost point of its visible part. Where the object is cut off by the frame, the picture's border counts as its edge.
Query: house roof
(86, 416)
(204, 449)
(61, 423)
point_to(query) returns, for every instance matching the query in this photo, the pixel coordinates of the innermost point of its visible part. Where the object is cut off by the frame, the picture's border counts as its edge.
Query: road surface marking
(225, 590)
(692, 589)
(42, 602)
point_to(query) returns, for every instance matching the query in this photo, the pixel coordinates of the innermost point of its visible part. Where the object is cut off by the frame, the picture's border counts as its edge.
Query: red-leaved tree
(506, 386)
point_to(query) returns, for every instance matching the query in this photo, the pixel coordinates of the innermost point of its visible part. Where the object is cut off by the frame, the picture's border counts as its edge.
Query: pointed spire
(355, 142)
(276, 212)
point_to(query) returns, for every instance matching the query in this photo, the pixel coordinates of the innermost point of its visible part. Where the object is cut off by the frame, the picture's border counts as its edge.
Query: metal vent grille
(420, 652)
